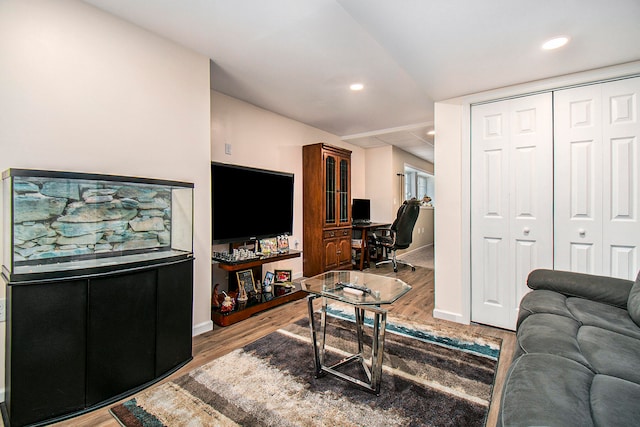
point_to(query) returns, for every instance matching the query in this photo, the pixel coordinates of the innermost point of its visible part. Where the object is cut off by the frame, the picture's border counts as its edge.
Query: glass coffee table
(365, 292)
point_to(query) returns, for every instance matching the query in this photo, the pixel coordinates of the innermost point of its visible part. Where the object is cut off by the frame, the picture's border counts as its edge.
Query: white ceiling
(298, 57)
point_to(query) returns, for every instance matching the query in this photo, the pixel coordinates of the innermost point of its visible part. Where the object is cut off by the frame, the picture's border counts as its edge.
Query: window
(409, 185)
(418, 184)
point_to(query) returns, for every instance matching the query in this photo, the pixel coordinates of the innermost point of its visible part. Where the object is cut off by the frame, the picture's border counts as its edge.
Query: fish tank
(65, 224)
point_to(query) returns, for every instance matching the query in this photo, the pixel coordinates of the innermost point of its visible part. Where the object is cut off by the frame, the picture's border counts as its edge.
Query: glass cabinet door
(330, 190)
(343, 194)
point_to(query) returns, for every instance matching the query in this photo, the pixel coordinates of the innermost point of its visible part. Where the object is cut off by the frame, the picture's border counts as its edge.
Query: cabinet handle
(582, 232)
(526, 231)
(339, 252)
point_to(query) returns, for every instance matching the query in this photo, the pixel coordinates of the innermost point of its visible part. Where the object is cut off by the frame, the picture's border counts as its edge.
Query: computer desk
(364, 247)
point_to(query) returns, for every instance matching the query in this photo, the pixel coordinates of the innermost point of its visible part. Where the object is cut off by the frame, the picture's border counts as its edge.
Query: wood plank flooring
(416, 306)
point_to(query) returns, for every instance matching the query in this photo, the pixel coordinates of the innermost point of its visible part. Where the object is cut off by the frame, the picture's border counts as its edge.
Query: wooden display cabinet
(327, 208)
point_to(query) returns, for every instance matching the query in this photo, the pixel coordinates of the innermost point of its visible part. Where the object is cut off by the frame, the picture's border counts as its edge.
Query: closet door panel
(597, 193)
(577, 180)
(490, 214)
(621, 222)
(531, 192)
(512, 226)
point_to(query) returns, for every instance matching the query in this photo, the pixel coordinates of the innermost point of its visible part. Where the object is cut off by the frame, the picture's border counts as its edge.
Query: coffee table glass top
(356, 287)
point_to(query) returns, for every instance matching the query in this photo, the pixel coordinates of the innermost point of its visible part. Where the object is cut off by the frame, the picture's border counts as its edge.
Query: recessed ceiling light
(356, 86)
(555, 43)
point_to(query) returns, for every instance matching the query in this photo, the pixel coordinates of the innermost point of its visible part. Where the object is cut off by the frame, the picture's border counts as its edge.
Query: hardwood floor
(416, 306)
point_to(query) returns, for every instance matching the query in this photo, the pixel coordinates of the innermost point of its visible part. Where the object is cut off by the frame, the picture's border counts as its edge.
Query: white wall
(422, 231)
(83, 91)
(452, 159)
(383, 185)
(451, 302)
(380, 183)
(263, 139)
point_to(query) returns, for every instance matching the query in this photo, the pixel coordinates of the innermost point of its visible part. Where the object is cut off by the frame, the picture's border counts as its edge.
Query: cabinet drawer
(337, 232)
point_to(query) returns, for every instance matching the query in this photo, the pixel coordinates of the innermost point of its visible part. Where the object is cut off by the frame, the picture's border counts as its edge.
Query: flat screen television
(249, 203)
(361, 210)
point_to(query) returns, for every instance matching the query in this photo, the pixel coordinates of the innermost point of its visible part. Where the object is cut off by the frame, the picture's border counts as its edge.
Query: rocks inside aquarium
(63, 189)
(36, 207)
(58, 218)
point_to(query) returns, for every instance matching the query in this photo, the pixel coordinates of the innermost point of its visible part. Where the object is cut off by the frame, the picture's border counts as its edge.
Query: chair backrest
(404, 223)
(394, 226)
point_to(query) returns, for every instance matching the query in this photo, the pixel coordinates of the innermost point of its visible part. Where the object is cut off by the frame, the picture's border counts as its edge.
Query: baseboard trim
(450, 316)
(414, 250)
(202, 328)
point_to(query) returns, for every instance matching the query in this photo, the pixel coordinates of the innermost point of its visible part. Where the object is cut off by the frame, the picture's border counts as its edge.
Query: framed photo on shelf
(246, 282)
(267, 286)
(283, 276)
(283, 244)
(268, 280)
(269, 246)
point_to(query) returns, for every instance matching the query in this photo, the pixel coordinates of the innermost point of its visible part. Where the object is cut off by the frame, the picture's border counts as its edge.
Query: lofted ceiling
(298, 57)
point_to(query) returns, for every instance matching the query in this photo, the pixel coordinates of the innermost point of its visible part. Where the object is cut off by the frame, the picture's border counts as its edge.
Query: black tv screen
(249, 203)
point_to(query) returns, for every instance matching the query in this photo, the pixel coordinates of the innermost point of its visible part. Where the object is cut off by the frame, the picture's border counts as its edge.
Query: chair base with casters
(395, 263)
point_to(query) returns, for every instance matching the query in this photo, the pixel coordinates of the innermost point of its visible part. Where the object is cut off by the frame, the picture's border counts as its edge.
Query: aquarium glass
(61, 222)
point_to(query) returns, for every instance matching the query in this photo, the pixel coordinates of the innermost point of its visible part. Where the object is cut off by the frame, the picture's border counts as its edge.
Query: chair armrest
(383, 229)
(386, 236)
(608, 290)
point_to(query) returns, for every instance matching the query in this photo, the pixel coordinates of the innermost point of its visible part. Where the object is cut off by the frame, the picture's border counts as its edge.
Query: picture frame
(282, 276)
(283, 244)
(268, 279)
(269, 246)
(267, 286)
(245, 279)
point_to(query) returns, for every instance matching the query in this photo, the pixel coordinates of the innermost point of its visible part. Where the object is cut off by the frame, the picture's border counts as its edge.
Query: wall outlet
(3, 309)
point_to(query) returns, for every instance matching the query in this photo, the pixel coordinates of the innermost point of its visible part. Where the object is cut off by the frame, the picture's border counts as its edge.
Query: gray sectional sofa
(577, 360)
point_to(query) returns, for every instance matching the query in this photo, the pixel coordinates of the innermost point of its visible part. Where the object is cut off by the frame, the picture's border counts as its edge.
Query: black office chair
(400, 234)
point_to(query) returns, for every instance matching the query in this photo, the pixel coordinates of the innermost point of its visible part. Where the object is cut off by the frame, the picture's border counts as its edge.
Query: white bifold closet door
(597, 188)
(511, 203)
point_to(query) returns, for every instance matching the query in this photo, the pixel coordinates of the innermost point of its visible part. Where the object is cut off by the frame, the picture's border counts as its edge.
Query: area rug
(427, 380)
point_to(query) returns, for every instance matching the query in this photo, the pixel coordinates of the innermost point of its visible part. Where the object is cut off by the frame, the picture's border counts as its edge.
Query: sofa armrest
(608, 290)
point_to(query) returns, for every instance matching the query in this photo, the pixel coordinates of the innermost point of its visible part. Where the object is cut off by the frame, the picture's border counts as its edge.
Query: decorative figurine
(227, 304)
(242, 293)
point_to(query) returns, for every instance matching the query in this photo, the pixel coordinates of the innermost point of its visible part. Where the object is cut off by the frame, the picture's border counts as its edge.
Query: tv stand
(254, 264)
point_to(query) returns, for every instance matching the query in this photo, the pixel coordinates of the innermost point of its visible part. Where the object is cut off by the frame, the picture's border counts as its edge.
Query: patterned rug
(428, 379)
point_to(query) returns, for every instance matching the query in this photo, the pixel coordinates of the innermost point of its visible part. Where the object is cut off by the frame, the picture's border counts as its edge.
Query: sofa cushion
(546, 390)
(592, 313)
(543, 301)
(552, 334)
(610, 353)
(633, 303)
(614, 402)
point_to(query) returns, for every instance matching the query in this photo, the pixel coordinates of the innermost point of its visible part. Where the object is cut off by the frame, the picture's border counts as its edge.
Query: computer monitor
(361, 210)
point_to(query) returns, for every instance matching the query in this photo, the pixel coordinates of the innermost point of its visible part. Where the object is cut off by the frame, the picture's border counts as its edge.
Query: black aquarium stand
(78, 343)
